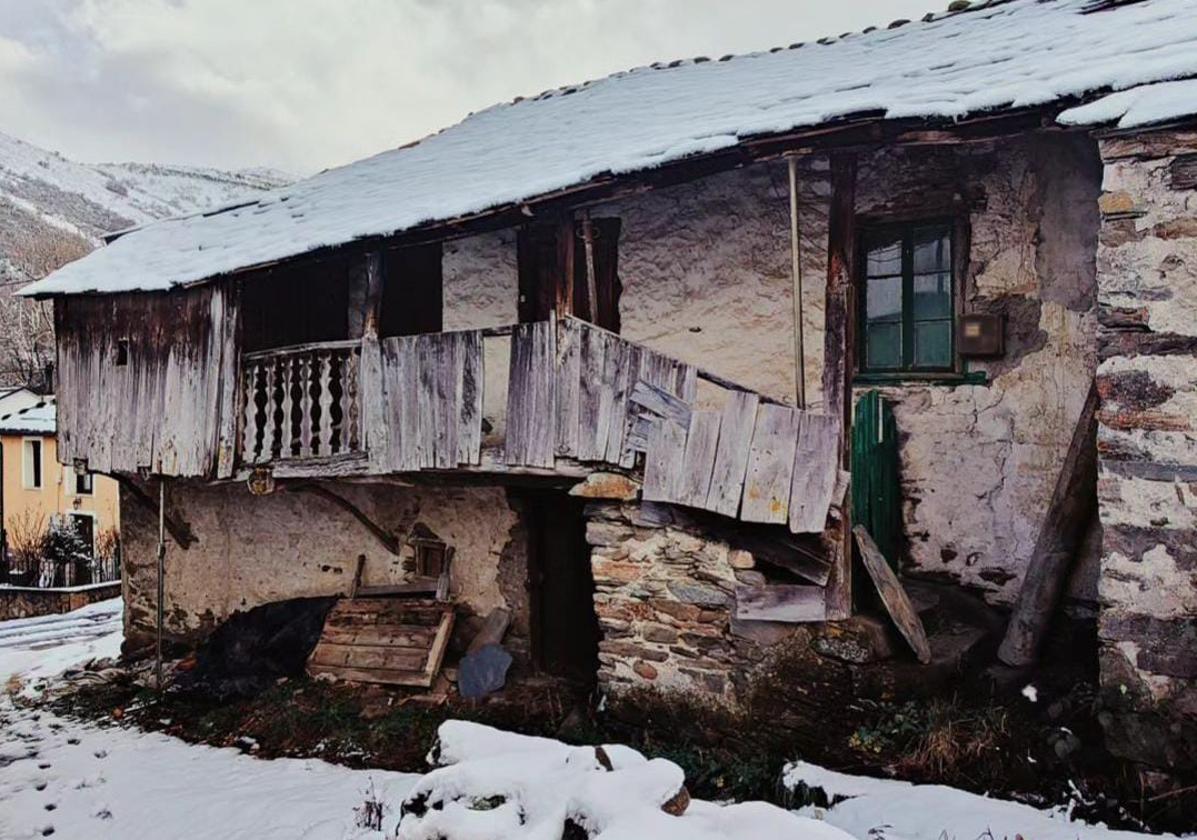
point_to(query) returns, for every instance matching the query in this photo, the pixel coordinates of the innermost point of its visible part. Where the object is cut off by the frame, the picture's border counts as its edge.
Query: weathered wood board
(432, 401)
(816, 471)
(531, 395)
(731, 455)
(384, 640)
(663, 465)
(770, 465)
(702, 439)
(143, 381)
(781, 602)
(893, 596)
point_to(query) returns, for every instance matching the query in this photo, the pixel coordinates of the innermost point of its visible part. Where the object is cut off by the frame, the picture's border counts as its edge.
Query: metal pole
(161, 578)
(796, 274)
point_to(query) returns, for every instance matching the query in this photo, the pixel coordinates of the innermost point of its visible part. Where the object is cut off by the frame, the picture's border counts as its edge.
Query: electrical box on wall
(982, 334)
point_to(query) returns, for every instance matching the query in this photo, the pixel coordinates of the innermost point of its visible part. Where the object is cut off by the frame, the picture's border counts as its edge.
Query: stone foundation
(1147, 443)
(664, 595)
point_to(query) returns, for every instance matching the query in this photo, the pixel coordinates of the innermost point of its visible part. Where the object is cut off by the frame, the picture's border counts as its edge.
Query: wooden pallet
(396, 641)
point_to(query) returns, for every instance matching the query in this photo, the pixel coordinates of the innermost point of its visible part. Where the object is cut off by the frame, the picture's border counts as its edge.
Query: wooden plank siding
(143, 381)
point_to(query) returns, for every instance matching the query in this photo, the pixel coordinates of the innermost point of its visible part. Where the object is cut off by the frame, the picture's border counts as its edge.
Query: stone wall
(1147, 443)
(664, 600)
(978, 462)
(22, 602)
(252, 550)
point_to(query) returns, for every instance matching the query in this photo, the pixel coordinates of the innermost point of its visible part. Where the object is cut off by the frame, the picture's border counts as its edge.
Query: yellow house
(37, 491)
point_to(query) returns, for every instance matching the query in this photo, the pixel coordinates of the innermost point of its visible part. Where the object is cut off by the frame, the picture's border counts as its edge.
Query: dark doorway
(565, 631)
(562, 264)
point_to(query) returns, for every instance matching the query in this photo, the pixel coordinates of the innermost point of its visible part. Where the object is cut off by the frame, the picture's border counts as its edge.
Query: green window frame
(907, 312)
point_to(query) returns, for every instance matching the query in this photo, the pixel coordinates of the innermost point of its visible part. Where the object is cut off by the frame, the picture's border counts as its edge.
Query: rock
(605, 485)
(741, 559)
(606, 533)
(644, 669)
(858, 640)
(677, 804)
(704, 596)
(659, 633)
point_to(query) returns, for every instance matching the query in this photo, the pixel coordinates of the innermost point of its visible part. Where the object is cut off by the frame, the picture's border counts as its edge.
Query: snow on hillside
(93, 199)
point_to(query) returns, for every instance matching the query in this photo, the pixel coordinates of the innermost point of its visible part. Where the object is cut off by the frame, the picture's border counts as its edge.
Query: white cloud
(304, 84)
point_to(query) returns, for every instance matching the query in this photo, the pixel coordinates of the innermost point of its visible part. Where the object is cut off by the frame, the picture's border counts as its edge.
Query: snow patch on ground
(33, 649)
(500, 786)
(886, 809)
(87, 782)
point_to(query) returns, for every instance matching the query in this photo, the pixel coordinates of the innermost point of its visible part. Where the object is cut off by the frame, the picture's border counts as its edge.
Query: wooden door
(565, 631)
(556, 263)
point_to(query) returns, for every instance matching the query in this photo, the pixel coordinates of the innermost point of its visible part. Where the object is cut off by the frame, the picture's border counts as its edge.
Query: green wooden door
(876, 492)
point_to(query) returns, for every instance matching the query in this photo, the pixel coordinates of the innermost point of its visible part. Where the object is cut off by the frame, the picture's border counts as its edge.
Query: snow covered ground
(68, 779)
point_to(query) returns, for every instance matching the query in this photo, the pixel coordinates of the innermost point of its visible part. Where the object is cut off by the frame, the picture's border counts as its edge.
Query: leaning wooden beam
(1071, 509)
(388, 540)
(893, 596)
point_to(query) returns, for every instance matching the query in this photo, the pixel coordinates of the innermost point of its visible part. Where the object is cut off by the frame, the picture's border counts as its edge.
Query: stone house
(608, 343)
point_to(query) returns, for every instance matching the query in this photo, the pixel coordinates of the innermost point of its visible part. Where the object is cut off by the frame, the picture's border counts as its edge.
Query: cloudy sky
(305, 84)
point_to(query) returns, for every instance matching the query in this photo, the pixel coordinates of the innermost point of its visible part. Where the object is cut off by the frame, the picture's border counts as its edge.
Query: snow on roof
(1019, 53)
(40, 419)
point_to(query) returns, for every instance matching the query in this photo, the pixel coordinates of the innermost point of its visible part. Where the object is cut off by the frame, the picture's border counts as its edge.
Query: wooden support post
(563, 294)
(1071, 509)
(372, 392)
(837, 355)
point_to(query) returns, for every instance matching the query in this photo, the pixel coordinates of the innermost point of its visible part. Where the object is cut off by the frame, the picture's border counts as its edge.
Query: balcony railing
(302, 402)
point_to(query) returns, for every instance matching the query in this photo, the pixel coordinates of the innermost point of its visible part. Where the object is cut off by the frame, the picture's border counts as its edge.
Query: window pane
(884, 253)
(884, 348)
(933, 296)
(933, 344)
(932, 250)
(883, 299)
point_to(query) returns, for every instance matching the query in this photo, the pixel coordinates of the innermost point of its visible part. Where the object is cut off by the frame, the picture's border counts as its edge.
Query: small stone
(644, 669)
(1116, 203)
(606, 533)
(740, 559)
(605, 485)
(659, 633)
(706, 596)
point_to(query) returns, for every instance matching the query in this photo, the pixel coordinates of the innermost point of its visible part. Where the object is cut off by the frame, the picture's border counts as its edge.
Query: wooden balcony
(561, 398)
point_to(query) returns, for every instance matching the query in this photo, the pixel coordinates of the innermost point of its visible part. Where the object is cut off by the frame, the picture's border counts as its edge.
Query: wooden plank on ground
(893, 596)
(816, 470)
(770, 465)
(663, 463)
(702, 440)
(780, 602)
(385, 640)
(731, 455)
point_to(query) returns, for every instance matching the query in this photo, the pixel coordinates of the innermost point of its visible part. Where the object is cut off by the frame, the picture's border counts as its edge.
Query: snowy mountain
(53, 209)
